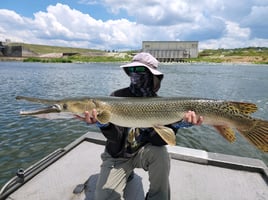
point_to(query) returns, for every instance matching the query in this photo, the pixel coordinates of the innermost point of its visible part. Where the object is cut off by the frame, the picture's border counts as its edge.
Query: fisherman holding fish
(129, 148)
(137, 129)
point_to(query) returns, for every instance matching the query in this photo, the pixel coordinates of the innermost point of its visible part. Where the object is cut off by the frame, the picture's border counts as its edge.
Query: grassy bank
(45, 53)
(45, 49)
(256, 55)
(78, 58)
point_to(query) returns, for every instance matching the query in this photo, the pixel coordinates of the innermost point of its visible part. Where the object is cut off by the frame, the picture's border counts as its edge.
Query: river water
(25, 140)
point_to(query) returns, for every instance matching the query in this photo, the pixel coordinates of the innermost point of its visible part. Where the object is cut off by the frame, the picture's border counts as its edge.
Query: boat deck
(71, 174)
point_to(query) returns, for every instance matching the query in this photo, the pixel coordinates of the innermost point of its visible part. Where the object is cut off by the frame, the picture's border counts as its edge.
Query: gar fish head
(56, 108)
(75, 106)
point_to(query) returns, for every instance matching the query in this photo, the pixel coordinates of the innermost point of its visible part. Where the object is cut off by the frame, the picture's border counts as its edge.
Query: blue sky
(124, 24)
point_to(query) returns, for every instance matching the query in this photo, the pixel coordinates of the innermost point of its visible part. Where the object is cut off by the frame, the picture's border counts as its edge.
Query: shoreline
(223, 60)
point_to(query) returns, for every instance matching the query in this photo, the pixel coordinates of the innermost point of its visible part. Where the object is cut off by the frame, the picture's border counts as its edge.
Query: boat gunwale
(176, 152)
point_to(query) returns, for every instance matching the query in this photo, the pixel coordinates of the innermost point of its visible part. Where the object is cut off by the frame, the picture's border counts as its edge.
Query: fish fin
(226, 132)
(104, 117)
(167, 134)
(257, 134)
(131, 135)
(244, 108)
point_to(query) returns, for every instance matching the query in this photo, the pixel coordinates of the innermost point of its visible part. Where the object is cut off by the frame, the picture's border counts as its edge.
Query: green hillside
(44, 49)
(258, 55)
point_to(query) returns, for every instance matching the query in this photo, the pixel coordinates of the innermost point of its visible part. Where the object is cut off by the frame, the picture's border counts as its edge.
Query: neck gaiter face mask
(141, 84)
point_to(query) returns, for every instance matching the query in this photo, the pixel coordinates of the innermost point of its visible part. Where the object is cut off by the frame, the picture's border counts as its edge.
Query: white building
(171, 51)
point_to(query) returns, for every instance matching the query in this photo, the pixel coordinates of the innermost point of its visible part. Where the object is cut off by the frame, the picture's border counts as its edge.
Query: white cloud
(256, 20)
(9, 19)
(88, 2)
(13, 26)
(155, 12)
(233, 30)
(215, 23)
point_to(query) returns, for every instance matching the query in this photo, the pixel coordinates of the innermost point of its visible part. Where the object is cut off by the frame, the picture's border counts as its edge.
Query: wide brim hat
(146, 60)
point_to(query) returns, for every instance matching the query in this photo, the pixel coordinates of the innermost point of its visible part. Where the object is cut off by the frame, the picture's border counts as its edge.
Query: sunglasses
(137, 69)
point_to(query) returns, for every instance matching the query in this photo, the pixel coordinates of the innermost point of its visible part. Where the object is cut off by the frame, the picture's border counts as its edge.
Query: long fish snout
(56, 108)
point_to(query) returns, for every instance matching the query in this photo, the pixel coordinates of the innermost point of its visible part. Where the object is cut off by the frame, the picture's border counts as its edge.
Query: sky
(124, 24)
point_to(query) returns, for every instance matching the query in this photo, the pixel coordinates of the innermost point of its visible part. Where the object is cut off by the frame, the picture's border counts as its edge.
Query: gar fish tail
(225, 116)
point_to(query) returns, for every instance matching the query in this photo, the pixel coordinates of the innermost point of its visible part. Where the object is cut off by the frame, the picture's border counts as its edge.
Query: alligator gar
(225, 116)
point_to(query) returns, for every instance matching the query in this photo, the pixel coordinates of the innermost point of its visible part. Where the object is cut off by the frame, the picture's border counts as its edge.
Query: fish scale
(225, 116)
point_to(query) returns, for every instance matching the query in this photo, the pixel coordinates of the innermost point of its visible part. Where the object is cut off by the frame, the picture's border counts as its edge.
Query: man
(127, 148)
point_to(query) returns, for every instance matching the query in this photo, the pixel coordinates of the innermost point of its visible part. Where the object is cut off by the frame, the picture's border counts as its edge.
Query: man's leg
(155, 160)
(112, 178)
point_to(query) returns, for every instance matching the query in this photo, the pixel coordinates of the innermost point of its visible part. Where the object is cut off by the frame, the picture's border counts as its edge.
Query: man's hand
(191, 117)
(90, 118)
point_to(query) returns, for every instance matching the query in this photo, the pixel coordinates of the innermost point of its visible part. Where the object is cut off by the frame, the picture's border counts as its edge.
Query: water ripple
(25, 140)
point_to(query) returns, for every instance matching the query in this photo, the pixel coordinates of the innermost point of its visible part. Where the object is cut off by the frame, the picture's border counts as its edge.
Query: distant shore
(54, 54)
(233, 59)
(211, 59)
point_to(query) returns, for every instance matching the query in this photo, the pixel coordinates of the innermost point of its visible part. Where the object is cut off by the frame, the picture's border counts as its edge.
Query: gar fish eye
(65, 106)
